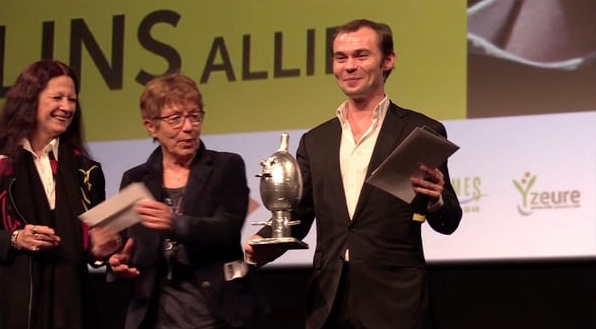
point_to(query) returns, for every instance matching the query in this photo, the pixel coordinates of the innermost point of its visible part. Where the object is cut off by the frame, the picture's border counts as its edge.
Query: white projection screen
(514, 82)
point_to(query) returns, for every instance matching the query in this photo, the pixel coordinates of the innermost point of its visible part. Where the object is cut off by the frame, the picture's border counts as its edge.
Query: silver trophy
(281, 190)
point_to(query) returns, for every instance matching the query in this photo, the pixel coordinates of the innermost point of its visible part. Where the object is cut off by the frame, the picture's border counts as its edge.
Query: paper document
(117, 212)
(421, 146)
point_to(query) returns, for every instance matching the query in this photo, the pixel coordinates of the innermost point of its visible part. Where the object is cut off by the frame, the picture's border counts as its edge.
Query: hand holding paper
(117, 213)
(155, 215)
(422, 146)
(104, 242)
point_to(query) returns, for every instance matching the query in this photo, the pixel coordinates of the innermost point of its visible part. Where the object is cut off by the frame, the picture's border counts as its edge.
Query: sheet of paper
(421, 146)
(117, 212)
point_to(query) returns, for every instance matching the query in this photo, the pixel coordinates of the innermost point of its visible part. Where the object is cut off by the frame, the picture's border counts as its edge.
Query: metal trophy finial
(281, 190)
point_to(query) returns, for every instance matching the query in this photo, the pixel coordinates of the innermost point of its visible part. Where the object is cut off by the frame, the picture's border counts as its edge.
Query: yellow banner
(261, 65)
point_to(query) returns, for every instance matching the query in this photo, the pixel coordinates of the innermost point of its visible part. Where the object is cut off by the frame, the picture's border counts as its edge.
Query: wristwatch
(13, 239)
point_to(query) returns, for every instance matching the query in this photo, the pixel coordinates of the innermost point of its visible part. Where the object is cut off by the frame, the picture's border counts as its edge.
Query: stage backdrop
(525, 122)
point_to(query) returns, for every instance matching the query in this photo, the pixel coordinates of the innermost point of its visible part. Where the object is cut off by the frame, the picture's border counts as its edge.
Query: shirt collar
(379, 111)
(52, 146)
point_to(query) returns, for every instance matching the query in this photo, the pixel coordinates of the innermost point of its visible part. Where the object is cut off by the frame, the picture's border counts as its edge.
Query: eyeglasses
(177, 120)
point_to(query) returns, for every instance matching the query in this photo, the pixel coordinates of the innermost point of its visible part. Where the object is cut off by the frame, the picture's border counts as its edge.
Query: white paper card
(117, 212)
(421, 146)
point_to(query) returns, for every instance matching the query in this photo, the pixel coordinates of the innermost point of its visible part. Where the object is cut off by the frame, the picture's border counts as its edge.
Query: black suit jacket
(215, 205)
(387, 265)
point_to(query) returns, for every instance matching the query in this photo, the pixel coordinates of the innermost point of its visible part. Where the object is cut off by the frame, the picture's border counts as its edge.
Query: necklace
(174, 198)
(176, 178)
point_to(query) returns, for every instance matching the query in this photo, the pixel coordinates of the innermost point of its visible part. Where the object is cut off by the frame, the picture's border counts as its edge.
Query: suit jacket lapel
(331, 147)
(393, 131)
(151, 239)
(154, 176)
(200, 171)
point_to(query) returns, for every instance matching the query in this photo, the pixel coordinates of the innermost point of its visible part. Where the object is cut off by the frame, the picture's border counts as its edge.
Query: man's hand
(431, 184)
(260, 255)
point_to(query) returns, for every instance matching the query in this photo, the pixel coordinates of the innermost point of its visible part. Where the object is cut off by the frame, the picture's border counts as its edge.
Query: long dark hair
(19, 113)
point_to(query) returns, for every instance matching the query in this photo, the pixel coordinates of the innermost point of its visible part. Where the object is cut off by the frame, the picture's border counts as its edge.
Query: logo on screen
(468, 192)
(533, 199)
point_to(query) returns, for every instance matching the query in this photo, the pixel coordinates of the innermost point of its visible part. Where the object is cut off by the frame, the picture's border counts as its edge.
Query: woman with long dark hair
(47, 179)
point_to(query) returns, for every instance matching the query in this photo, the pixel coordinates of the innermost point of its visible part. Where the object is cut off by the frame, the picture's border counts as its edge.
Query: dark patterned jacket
(24, 275)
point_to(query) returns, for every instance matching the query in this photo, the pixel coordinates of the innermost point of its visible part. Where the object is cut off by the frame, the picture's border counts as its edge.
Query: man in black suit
(369, 267)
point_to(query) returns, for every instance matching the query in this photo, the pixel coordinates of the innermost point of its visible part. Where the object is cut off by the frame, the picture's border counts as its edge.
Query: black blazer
(215, 205)
(387, 263)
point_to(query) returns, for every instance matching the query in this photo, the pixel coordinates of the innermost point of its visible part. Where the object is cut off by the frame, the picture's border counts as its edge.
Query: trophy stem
(279, 224)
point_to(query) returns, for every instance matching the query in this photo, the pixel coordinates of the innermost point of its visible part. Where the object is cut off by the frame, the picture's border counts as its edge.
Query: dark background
(545, 295)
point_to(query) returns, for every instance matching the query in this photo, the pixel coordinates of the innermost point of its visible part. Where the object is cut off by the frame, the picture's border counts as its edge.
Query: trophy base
(286, 243)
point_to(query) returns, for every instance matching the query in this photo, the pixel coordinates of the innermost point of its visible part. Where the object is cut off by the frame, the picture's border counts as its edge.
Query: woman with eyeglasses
(185, 255)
